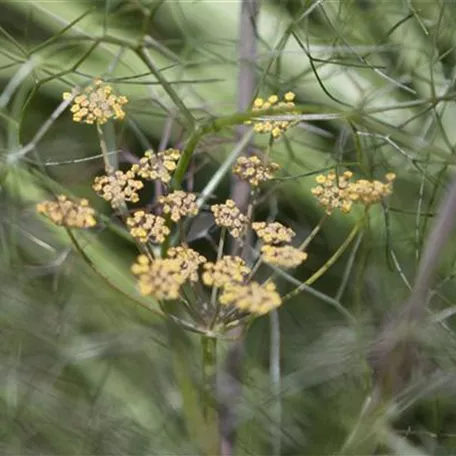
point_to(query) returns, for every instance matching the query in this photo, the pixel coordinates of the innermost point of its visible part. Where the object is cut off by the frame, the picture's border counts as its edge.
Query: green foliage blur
(86, 369)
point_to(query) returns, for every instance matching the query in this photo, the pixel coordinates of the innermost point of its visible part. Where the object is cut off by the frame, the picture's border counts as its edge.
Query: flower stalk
(210, 409)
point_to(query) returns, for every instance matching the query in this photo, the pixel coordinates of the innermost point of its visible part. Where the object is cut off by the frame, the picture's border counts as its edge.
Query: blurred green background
(84, 368)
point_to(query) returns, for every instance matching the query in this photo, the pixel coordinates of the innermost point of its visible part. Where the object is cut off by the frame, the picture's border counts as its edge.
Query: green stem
(212, 126)
(191, 398)
(314, 277)
(269, 148)
(144, 55)
(255, 269)
(249, 216)
(214, 305)
(275, 378)
(210, 412)
(104, 149)
(312, 235)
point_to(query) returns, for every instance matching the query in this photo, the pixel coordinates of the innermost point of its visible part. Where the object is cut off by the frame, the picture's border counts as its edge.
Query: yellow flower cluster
(274, 127)
(229, 216)
(273, 252)
(157, 165)
(145, 227)
(228, 269)
(96, 103)
(253, 170)
(179, 204)
(336, 192)
(64, 212)
(285, 256)
(161, 278)
(370, 192)
(253, 297)
(332, 191)
(189, 259)
(118, 187)
(273, 233)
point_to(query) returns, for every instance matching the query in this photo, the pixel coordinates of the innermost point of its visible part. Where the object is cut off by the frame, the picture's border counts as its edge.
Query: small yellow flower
(96, 104)
(228, 269)
(190, 261)
(253, 170)
(274, 127)
(161, 278)
(390, 177)
(229, 216)
(157, 166)
(253, 298)
(273, 233)
(258, 103)
(289, 96)
(332, 191)
(118, 187)
(179, 204)
(285, 256)
(64, 212)
(145, 227)
(141, 266)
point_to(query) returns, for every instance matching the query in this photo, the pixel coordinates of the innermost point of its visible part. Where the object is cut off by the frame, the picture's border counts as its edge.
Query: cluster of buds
(230, 274)
(370, 192)
(157, 166)
(274, 127)
(337, 192)
(145, 227)
(277, 250)
(254, 170)
(64, 212)
(96, 104)
(332, 191)
(161, 278)
(273, 233)
(285, 256)
(253, 297)
(179, 204)
(190, 261)
(117, 187)
(228, 215)
(229, 269)
(164, 277)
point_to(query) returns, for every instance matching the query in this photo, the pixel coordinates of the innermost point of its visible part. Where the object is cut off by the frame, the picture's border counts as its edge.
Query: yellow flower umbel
(228, 269)
(253, 170)
(229, 216)
(332, 191)
(161, 278)
(253, 298)
(273, 233)
(157, 166)
(64, 212)
(118, 187)
(179, 204)
(370, 192)
(96, 104)
(145, 227)
(190, 261)
(285, 256)
(273, 127)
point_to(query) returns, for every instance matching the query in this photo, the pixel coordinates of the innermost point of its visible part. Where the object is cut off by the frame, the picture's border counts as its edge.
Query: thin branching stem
(339, 252)
(275, 379)
(215, 305)
(313, 233)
